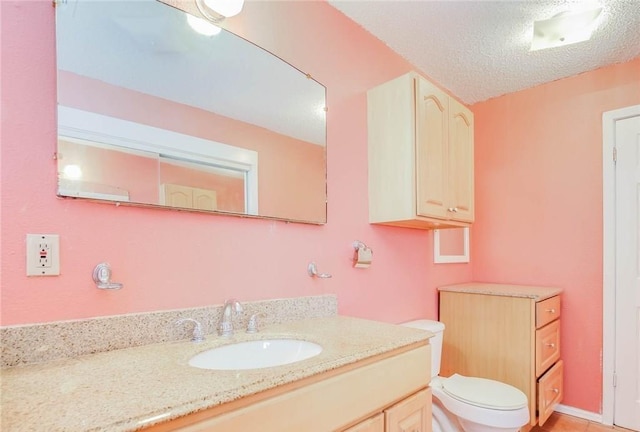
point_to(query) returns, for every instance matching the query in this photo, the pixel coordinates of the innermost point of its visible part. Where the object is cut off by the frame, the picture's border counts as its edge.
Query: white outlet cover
(43, 254)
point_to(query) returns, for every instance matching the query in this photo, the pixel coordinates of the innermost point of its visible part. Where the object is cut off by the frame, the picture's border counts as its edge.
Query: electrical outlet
(43, 254)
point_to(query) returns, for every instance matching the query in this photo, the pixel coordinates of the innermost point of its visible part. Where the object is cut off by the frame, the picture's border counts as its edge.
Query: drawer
(547, 311)
(547, 346)
(549, 392)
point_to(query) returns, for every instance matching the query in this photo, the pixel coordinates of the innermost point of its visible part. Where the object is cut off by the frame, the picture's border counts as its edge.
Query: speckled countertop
(537, 293)
(128, 389)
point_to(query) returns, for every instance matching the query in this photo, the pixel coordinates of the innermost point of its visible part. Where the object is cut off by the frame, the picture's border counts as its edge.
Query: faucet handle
(252, 326)
(198, 334)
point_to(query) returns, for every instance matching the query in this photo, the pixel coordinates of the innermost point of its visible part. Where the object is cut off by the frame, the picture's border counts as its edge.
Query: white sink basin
(255, 354)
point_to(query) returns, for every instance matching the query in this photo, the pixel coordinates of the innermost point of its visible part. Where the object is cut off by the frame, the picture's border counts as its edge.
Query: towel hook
(102, 277)
(312, 269)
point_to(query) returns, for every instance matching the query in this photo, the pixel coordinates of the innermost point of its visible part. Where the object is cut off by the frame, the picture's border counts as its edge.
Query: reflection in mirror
(451, 245)
(151, 112)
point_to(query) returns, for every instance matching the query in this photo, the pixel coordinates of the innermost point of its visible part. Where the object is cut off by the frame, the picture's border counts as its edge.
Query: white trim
(577, 412)
(609, 119)
(112, 131)
(94, 195)
(440, 259)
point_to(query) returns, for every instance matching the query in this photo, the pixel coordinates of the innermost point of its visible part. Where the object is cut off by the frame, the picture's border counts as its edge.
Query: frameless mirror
(451, 245)
(152, 112)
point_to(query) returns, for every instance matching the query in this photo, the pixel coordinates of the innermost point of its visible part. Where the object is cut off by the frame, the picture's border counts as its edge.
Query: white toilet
(470, 404)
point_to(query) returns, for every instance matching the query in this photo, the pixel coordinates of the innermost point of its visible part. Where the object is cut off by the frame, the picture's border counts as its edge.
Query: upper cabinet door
(432, 136)
(460, 162)
(420, 156)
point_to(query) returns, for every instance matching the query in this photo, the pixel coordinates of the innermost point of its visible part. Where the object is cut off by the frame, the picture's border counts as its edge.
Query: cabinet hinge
(615, 154)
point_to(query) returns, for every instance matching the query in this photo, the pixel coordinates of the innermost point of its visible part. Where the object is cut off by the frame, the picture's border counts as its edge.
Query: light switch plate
(43, 254)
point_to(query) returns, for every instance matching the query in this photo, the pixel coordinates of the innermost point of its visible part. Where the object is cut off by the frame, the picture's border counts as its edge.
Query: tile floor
(565, 423)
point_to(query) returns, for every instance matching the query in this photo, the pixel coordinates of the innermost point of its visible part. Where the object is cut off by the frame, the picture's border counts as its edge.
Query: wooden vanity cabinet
(386, 393)
(420, 156)
(412, 414)
(373, 424)
(513, 339)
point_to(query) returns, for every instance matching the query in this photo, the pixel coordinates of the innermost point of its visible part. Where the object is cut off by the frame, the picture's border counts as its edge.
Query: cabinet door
(374, 424)
(177, 196)
(460, 154)
(413, 414)
(432, 118)
(205, 199)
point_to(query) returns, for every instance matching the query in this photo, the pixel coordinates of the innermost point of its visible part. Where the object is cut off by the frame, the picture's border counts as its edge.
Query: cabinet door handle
(551, 345)
(453, 209)
(550, 310)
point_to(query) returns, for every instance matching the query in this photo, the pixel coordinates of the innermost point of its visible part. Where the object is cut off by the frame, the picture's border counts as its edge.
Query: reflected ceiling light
(72, 172)
(217, 10)
(202, 26)
(565, 28)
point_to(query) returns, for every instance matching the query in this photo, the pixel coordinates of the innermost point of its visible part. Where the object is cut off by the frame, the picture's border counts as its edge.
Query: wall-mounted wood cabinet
(188, 197)
(420, 156)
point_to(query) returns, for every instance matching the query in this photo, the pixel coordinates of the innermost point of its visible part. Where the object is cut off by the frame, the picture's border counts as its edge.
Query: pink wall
(539, 204)
(281, 158)
(169, 259)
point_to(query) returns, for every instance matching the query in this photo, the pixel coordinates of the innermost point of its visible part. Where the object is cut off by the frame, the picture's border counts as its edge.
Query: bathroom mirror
(451, 245)
(152, 112)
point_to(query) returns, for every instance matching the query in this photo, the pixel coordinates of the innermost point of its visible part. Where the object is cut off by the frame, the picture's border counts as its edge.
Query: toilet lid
(484, 393)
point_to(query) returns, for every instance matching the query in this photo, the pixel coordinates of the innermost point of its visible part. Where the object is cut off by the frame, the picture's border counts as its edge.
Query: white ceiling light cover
(564, 29)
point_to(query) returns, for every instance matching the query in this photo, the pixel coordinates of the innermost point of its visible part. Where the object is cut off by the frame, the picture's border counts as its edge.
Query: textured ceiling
(480, 49)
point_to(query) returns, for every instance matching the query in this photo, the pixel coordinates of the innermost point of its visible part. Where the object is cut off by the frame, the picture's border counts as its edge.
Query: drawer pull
(552, 311)
(550, 345)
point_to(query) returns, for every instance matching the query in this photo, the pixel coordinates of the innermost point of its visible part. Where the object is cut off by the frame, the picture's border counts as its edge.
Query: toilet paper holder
(362, 255)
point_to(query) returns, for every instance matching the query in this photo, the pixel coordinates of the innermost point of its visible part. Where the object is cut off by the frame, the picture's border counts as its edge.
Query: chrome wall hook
(312, 270)
(102, 277)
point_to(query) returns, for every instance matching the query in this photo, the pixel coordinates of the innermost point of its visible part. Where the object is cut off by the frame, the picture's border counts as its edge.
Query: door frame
(609, 119)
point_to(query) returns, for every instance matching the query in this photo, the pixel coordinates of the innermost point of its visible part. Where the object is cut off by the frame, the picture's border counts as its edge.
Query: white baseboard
(577, 412)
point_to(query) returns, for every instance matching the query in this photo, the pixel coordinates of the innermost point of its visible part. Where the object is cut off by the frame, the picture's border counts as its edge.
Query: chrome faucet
(232, 307)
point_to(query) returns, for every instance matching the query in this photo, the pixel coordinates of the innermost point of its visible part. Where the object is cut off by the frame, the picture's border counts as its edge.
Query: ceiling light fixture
(217, 10)
(202, 26)
(565, 28)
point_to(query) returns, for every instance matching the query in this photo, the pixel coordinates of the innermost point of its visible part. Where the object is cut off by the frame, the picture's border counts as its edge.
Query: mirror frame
(245, 163)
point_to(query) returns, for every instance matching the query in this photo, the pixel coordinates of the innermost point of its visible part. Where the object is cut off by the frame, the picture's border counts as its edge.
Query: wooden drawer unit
(505, 333)
(547, 347)
(550, 391)
(547, 310)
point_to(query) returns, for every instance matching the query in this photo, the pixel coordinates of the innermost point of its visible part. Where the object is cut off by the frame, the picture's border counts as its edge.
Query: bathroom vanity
(370, 376)
(509, 333)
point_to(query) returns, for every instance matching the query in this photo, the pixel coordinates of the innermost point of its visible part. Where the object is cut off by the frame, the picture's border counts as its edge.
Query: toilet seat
(484, 393)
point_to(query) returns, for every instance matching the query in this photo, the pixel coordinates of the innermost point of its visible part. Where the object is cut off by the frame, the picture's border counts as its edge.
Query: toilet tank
(437, 328)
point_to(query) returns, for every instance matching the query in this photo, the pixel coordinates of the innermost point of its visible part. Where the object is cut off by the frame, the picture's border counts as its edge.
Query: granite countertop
(128, 389)
(537, 293)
